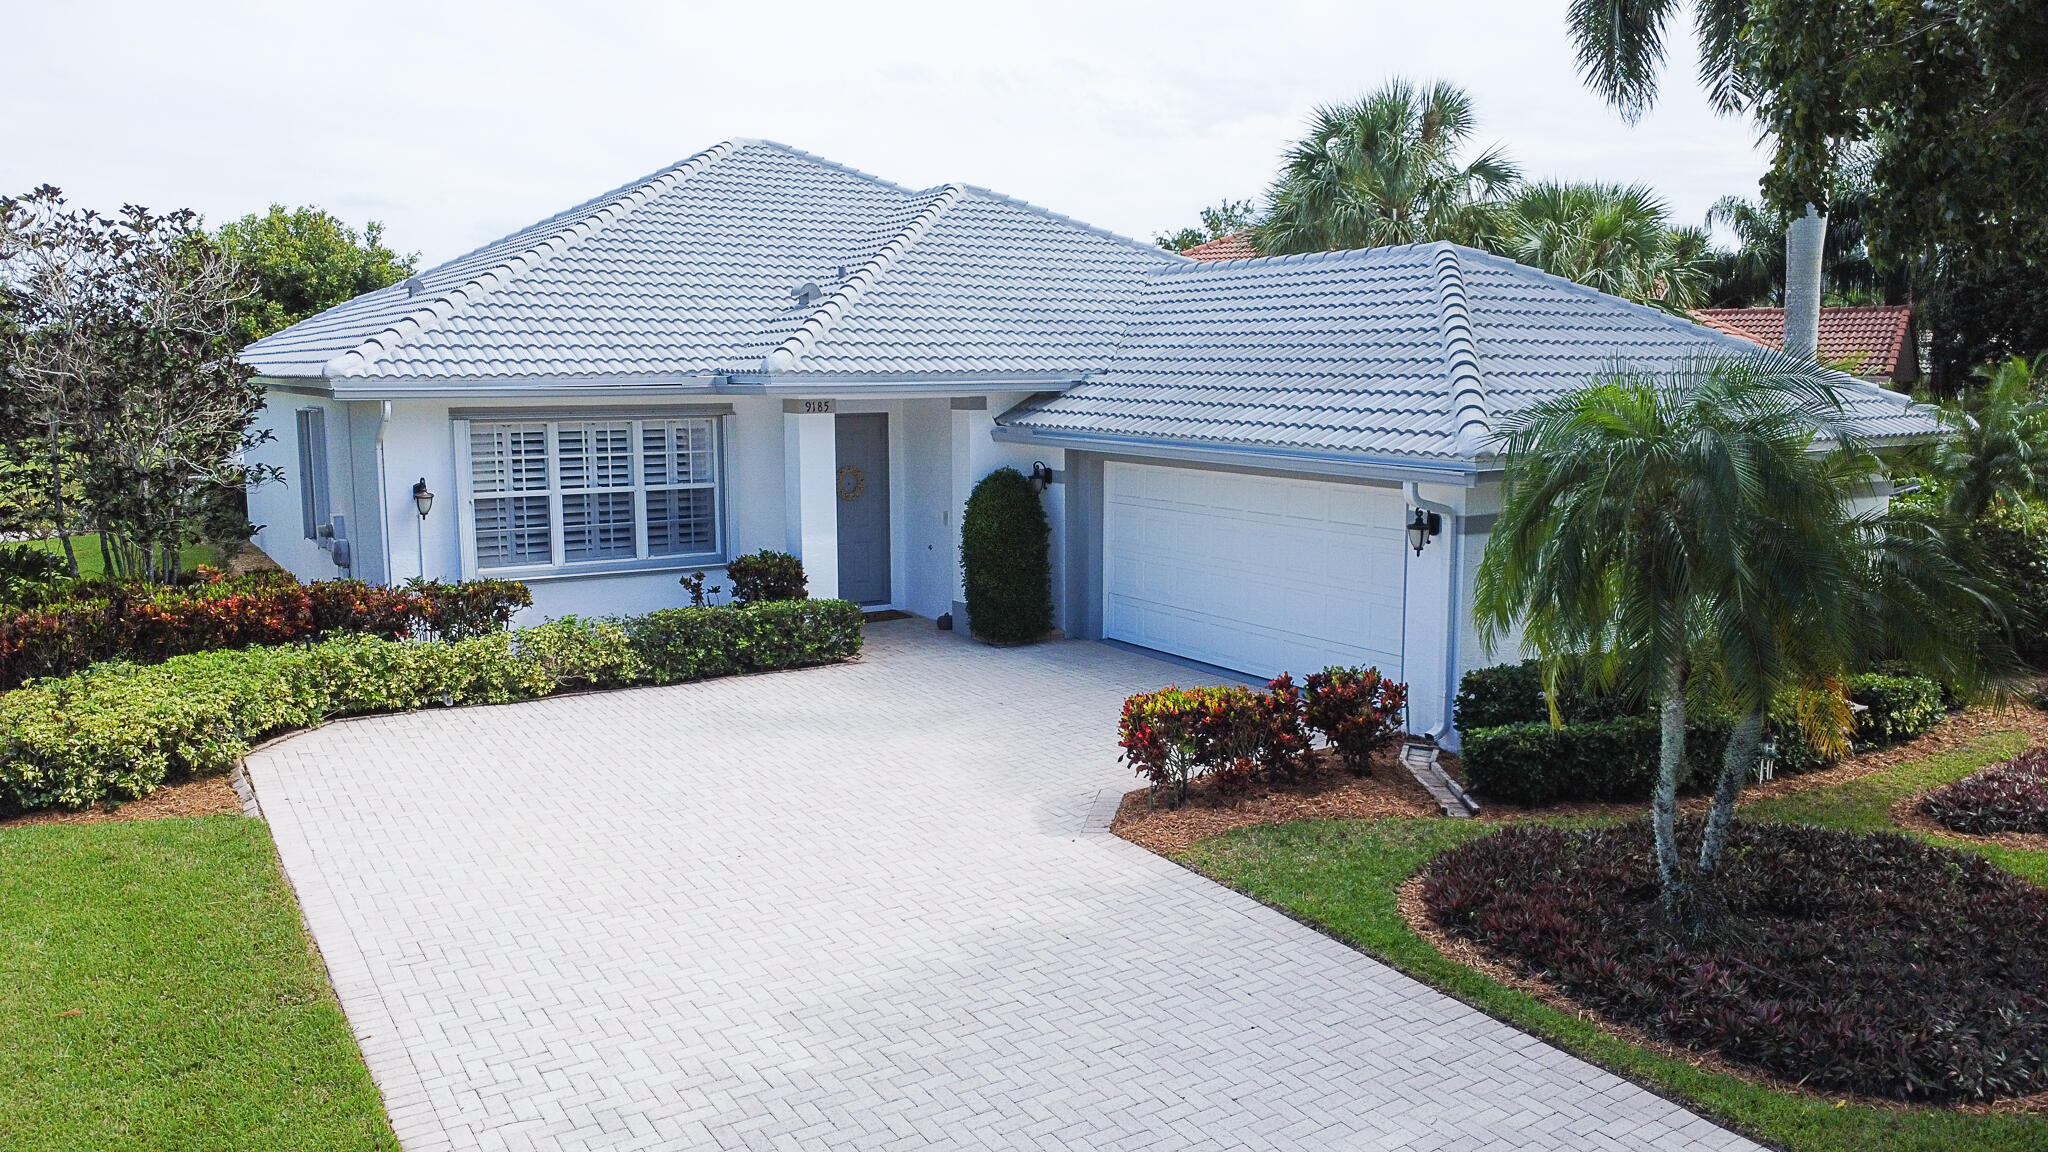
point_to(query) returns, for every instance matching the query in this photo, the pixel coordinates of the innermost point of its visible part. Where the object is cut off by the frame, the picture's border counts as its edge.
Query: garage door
(1252, 573)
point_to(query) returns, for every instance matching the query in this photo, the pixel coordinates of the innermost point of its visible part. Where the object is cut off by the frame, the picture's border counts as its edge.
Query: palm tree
(1385, 170)
(1615, 238)
(1621, 52)
(1998, 443)
(1681, 532)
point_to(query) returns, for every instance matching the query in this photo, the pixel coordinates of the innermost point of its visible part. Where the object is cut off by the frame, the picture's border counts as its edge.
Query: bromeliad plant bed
(1872, 964)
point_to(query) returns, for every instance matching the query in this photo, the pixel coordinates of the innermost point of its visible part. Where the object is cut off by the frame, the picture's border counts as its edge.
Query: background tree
(305, 261)
(1982, 311)
(1388, 169)
(121, 370)
(1218, 221)
(1997, 447)
(1606, 236)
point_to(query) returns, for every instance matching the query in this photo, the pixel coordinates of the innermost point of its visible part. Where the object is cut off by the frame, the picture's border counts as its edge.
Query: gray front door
(863, 483)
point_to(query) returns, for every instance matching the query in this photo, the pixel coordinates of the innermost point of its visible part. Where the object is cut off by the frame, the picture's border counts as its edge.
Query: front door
(863, 483)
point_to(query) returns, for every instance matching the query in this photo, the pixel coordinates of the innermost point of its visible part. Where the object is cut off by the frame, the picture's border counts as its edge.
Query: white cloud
(457, 123)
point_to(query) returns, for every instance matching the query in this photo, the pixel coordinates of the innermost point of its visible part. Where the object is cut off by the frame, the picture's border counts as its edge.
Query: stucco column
(1430, 632)
(974, 456)
(810, 461)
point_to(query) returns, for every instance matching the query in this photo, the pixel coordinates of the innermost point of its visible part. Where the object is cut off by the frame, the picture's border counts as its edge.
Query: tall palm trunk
(1805, 240)
(1671, 876)
(1736, 764)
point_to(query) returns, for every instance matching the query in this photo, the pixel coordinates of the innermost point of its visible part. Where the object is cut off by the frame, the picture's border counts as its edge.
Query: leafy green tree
(1997, 447)
(1606, 236)
(305, 261)
(1983, 311)
(1388, 169)
(1218, 221)
(1947, 94)
(1681, 535)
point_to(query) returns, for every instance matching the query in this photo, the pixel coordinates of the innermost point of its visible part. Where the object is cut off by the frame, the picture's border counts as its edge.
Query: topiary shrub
(765, 576)
(1593, 760)
(1006, 555)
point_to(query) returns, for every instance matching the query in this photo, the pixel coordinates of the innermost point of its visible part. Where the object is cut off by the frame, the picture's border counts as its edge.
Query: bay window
(601, 493)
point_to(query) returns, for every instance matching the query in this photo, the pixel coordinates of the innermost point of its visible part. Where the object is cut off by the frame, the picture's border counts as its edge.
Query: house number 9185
(817, 407)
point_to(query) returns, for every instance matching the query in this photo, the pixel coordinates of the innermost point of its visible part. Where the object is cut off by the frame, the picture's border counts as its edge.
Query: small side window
(312, 476)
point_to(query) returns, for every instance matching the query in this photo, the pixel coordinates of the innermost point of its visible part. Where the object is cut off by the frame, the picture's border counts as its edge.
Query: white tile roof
(689, 271)
(1405, 352)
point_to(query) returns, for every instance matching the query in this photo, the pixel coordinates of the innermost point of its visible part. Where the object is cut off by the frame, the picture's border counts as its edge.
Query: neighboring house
(1880, 341)
(1236, 246)
(759, 349)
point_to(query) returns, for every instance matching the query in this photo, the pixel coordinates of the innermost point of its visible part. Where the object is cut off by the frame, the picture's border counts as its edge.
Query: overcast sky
(455, 124)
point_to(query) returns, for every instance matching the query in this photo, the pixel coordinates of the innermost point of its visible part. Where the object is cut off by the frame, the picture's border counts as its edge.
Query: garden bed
(1802, 977)
(1324, 792)
(199, 796)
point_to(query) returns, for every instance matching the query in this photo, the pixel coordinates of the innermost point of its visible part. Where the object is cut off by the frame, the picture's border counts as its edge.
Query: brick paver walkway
(867, 906)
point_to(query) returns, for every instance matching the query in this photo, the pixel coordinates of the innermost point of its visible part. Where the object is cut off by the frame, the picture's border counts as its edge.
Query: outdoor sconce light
(1041, 476)
(1422, 528)
(421, 498)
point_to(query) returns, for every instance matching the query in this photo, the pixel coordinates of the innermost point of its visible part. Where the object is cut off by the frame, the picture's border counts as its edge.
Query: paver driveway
(867, 906)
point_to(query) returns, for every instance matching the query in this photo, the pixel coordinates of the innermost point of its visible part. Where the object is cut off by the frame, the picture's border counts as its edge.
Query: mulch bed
(1325, 793)
(203, 796)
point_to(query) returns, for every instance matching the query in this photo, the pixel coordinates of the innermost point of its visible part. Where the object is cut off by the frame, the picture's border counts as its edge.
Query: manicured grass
(158, 992)
(87, 549)
(1344, 875)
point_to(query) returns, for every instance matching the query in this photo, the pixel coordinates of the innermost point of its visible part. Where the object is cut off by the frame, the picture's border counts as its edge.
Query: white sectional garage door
(1252, 573)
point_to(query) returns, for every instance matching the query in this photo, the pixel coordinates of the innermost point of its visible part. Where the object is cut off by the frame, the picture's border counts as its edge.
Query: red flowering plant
(1358, 710)
(1228, 735)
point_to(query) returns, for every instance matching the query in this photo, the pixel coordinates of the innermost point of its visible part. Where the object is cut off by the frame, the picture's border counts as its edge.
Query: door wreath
(852, 482)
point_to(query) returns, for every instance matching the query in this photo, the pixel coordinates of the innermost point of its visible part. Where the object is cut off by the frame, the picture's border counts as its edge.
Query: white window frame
(315, 492)
(560, 566)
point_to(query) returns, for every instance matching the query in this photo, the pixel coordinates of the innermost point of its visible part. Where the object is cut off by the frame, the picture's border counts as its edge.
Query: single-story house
(756, 348)
(1878, 342)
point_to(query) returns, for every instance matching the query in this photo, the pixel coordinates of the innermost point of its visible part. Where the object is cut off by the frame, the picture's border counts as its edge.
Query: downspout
(383, 504)
(1455, 538)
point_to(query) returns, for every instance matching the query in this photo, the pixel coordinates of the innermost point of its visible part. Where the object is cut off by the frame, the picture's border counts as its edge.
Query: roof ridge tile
(785, 355)
(1461, 356)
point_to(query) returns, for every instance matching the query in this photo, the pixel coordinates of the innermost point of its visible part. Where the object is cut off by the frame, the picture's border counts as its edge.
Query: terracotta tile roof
(1236, 246)
(1878, 334)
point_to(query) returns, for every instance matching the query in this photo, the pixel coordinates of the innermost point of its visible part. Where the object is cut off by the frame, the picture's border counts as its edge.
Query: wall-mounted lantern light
(421, 498)
(1041, 476)
(1421, 529)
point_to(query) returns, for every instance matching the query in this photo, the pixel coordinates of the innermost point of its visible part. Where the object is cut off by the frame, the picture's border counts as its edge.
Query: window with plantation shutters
(603, 492)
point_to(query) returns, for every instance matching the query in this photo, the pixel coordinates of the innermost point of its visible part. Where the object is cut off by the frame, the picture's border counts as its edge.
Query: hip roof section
(1403, 352)
(743, 251)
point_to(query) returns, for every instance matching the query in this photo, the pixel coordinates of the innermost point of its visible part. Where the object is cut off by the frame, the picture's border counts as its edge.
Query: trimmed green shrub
(1006, 557)
(765, 576)
(1897, 708)
(1513, 694)
(1601, 760)
(117, 730)
(677, 644)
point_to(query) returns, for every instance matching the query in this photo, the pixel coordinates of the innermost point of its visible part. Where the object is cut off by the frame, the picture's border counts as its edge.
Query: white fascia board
(1454, 473)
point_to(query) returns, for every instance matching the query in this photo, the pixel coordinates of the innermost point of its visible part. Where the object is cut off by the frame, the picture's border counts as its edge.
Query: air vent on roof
(414, 286)
(806, 293)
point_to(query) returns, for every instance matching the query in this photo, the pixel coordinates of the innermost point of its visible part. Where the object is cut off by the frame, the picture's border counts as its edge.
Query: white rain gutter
(383, 499)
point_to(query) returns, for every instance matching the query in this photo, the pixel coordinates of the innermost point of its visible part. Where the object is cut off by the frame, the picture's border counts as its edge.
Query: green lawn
(1343, 875)
(158, 992)
(87, 549)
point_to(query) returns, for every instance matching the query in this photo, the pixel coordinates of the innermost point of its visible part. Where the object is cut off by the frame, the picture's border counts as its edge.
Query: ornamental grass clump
(2008, 797)
(1845, 962)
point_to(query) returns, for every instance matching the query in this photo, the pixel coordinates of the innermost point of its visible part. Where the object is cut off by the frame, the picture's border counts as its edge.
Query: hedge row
(97, 620)
(1521, 758)
(117, 730)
